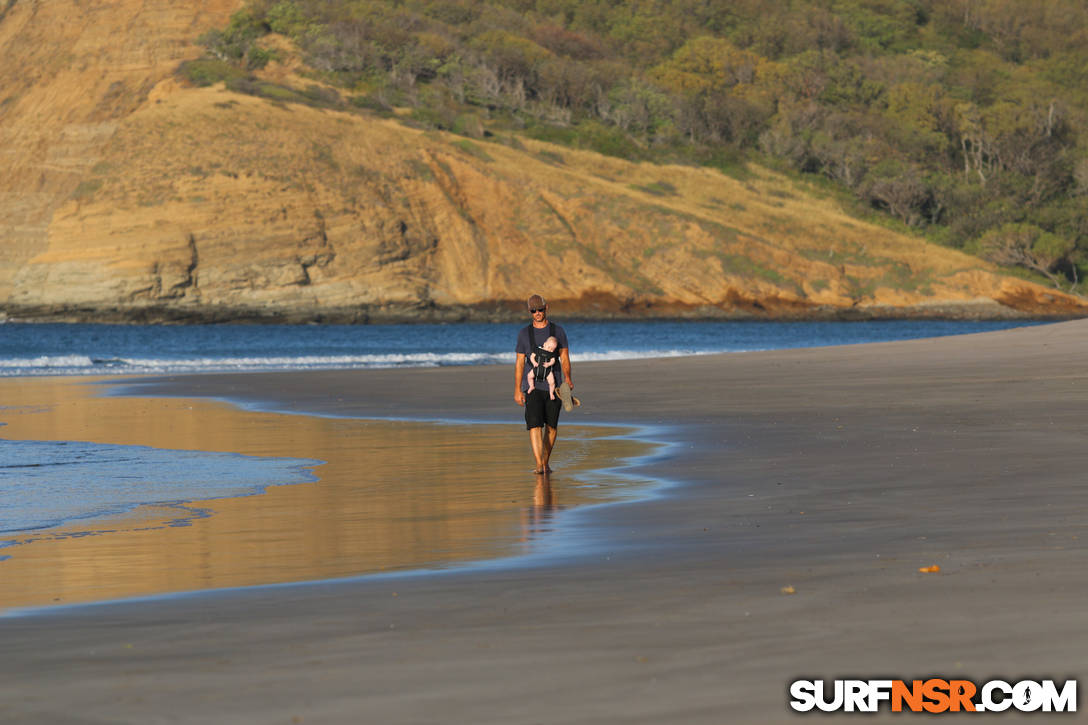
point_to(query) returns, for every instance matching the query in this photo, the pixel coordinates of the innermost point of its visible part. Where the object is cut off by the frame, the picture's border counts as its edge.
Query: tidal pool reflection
(391, 495)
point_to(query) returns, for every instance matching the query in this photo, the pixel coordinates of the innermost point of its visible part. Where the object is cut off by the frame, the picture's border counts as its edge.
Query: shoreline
(512, 311)
(835, 472)
(547, 551)
(489, 532)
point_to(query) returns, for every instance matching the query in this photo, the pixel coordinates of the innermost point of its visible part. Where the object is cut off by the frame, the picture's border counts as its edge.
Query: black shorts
(540, 411)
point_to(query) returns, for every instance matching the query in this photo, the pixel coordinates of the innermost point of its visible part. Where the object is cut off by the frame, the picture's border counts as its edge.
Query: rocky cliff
(131, 196)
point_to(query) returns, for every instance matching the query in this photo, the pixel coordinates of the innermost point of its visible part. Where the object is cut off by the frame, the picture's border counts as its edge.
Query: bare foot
(539, 471)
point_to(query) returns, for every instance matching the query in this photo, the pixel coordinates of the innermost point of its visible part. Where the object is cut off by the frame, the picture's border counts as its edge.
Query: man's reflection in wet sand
(537, 519)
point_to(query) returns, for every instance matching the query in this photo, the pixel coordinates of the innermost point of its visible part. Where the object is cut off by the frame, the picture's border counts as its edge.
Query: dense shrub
(957, 118)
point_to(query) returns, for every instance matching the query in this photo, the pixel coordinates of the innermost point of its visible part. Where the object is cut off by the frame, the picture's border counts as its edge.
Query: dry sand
(837, 471)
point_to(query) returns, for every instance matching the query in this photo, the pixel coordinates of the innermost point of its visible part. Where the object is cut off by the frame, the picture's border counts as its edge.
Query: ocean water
(44, 484)
(62, 349)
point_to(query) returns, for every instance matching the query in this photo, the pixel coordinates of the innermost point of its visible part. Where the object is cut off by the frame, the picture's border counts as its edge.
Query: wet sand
(389, 496)
(838, 472)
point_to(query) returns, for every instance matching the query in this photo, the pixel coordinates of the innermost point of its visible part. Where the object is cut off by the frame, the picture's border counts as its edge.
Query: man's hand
(519, 375)
(564, 362)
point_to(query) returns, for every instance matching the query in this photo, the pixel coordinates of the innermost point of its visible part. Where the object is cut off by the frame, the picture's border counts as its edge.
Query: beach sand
(392, 495)
(835, 473)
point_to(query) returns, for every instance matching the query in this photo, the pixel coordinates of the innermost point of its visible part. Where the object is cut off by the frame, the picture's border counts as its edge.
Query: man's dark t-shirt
(527, 347)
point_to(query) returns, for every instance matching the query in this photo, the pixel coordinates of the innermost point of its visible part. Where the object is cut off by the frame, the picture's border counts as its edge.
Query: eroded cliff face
(70, 72)
(133, 197)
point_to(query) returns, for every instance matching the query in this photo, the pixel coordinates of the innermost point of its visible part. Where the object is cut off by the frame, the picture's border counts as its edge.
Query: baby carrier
(540, 372)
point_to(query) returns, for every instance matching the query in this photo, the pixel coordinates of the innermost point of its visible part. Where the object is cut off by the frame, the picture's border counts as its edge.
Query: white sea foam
(33, 349)
(86, 365)
(46, 362)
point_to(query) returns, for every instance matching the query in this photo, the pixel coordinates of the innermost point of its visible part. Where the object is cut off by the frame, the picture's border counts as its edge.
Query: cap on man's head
(536, 301)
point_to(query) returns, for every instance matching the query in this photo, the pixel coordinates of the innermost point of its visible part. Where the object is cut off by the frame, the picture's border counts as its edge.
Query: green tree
(236, 41)
(637, 106)
(708, 64)
(1028, 246)
(901, 189)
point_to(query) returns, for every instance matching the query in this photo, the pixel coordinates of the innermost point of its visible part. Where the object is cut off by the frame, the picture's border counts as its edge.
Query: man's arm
(519, 371)
(564, 360)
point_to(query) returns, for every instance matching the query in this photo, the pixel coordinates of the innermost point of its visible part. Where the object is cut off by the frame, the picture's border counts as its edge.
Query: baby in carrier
(543, 362)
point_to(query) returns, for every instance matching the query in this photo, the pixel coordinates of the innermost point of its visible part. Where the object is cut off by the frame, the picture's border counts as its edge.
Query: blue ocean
(63, 349)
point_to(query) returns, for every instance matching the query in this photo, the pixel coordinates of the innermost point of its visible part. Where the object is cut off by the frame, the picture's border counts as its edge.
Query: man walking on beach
(541, 412)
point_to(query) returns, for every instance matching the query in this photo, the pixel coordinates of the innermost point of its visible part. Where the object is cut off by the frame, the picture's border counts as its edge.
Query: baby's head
(550, 344)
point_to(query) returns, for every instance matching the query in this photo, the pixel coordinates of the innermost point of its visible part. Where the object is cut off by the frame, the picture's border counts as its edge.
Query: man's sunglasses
(536, 309)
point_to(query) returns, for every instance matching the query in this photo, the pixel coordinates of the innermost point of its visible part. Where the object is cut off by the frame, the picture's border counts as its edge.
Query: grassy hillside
(153, 179)
(209, 204)
(961, 120)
